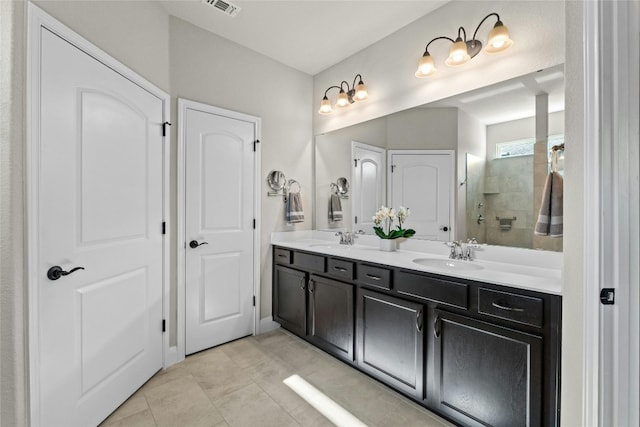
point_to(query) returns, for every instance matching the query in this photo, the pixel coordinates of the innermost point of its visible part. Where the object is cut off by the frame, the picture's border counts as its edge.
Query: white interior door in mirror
(368, 184)
(422, 181)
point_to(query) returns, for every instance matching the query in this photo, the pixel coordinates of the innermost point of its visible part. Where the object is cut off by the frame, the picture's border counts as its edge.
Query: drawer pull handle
(507, 308)
(339, 268)
(371, 276)
(282, 256)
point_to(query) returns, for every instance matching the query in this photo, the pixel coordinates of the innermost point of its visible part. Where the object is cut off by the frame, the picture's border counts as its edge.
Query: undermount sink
(448, 264)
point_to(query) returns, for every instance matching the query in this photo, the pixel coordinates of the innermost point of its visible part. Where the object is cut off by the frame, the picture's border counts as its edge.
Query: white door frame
(382, 151)
(452, 183)
(610, 333)
(183, 105)
(37, 18)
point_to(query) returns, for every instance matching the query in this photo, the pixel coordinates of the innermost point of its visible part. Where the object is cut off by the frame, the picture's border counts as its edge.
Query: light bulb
(499, 39)
(325, 106)
(426, 67)
(458, 54)
(361, 92)
(343, 100)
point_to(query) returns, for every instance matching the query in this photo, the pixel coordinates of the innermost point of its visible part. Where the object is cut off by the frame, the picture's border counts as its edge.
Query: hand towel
(293, 209)
(335, 208)
(550, 217)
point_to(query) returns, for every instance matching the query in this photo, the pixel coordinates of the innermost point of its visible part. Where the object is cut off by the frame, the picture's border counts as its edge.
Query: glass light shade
(361, 92)
(499, 39)
(458, 54)
(426, 67)
(325, 106)
(343, 100)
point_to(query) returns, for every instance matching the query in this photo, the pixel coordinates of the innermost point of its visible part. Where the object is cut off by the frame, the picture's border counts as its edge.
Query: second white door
(423, 182)
(219, 226)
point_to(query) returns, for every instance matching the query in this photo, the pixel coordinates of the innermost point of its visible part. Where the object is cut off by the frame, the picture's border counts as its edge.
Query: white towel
(550, 217)
(293, 209)
(335, 208)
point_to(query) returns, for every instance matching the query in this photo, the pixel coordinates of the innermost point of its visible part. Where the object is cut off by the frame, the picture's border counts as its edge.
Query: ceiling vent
(225, 7)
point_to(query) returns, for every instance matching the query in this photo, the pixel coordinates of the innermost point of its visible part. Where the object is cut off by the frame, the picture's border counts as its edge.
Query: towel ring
(290, 183)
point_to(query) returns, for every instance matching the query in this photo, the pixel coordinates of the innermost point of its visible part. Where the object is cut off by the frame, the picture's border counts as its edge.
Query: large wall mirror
(500, 136)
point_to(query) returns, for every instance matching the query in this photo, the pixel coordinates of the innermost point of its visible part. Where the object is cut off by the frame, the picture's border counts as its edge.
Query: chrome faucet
(456, 249)
(472, 243)
(348, 237)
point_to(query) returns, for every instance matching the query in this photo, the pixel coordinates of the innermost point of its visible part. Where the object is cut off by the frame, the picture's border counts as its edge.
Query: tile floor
(240, 384)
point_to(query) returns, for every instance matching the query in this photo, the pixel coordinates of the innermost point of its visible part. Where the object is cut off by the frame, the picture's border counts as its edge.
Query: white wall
(210, 69)
(12, 279)
(573, 294)
(388, 66)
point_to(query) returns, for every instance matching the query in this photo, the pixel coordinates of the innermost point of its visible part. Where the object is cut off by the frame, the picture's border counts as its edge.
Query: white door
(368, 184)
(219, 227)
(99, 207)
(423, 182)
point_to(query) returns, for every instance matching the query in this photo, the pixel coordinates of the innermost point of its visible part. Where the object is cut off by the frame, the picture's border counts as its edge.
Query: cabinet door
(331, 316)
(487, 375)
(290, 299)
(391, 341)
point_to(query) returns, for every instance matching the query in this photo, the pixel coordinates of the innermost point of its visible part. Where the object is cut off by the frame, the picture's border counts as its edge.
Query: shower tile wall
(475, 196)
(508, 193)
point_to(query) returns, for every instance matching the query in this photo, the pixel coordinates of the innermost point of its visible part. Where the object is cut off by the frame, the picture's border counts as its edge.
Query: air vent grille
(225, 7)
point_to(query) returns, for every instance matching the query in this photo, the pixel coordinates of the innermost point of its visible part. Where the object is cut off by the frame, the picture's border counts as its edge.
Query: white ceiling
(307, 35)
(512, 99)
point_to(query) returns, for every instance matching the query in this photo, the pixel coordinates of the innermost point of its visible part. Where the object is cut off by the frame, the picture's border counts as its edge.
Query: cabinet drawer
(311, 262)
(340, 268)
(518, 308)
(374, 276)
(282, 256)
(432, 289)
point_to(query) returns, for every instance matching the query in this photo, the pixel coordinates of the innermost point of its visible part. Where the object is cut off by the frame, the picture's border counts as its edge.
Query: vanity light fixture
(462, 50)
(355, 93)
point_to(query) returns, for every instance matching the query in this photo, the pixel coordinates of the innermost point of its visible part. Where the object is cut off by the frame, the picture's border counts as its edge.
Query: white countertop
(519, 268)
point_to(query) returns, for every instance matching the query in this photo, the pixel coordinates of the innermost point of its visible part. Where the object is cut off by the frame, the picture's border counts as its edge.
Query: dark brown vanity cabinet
(314, 307)
(391, 341)
(330, 316)
(290, 299)
(487, 375)
(478, 354)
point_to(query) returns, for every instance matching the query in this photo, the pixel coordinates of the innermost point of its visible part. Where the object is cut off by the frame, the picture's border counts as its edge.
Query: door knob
(444, 228)
(194, 244)
(56, 272)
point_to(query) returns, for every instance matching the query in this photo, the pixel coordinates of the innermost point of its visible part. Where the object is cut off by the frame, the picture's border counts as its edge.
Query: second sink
(448, 264)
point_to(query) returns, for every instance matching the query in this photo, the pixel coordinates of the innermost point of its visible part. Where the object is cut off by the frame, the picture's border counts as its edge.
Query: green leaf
(380, 233)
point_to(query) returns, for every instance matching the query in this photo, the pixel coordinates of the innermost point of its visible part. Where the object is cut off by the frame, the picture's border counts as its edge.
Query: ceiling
(511, 99)
(307, 35)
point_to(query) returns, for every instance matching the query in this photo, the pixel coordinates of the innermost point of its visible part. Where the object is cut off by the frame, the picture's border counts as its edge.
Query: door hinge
(164, 325)
(257, 141)
(393, 168)
(355, 163)
(254, 223)
(164, 128)
(356, 219)
(164, 227)
(254, 300)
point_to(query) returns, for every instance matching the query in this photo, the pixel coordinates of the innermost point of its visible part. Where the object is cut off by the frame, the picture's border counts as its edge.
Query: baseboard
(267, 325)
(171, 357)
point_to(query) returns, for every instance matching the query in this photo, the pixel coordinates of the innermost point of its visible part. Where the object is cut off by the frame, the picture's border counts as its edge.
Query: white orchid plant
(383, 220)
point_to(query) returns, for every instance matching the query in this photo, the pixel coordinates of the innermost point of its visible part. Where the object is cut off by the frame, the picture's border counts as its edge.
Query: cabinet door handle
(312, 286)
(372, 277)
(303, 287)
(436, 327)
(340, 268)
(418, 320)
(506, 307)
